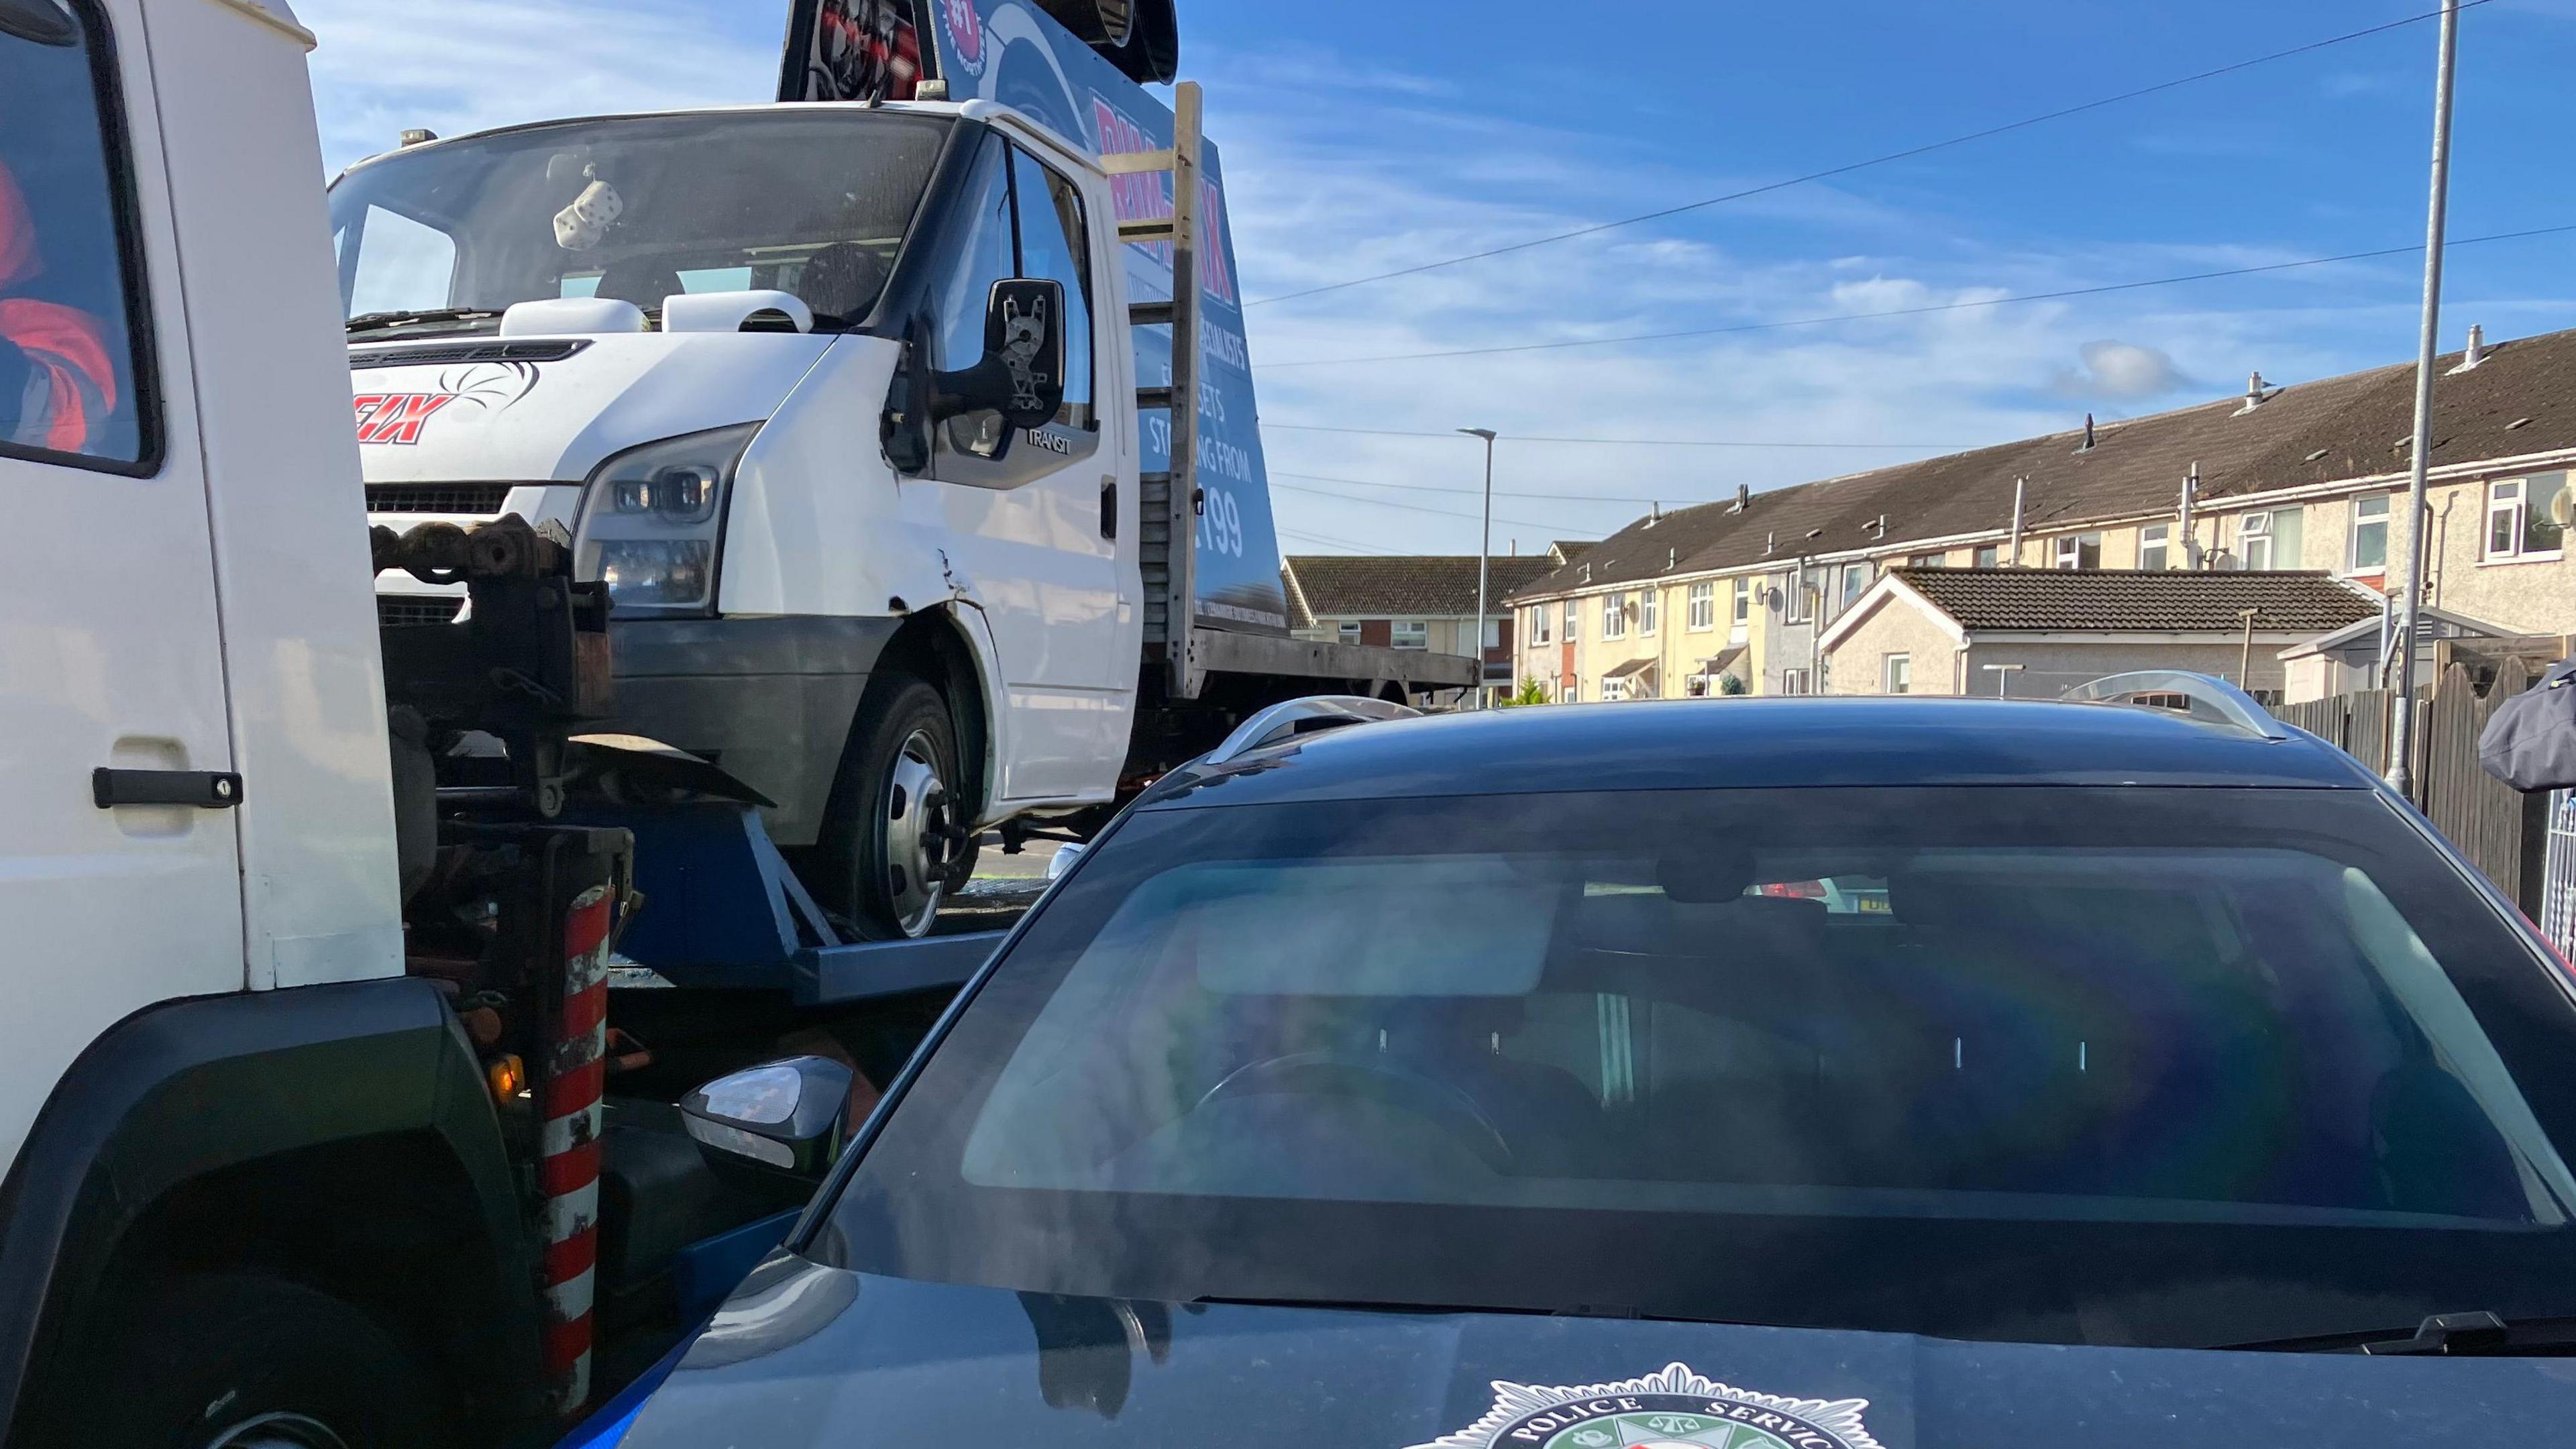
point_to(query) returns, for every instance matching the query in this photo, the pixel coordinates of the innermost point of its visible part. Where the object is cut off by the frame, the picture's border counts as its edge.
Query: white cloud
(2120, 370)
(465, 64)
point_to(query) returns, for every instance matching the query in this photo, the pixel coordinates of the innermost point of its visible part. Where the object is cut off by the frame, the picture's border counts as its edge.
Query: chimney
(2257, 393)
(1743, 497)
(1654, 514)
(2476, 351)
(2088, 434)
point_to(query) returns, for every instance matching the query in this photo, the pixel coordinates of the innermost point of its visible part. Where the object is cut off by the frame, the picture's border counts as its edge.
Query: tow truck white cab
(301, 1078)
(753, 359)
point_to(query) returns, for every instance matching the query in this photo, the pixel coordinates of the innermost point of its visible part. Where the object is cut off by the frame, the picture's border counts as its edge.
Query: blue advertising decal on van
(1012, 52)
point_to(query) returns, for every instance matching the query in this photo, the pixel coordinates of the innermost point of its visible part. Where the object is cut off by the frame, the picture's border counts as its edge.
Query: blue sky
(1364, 137)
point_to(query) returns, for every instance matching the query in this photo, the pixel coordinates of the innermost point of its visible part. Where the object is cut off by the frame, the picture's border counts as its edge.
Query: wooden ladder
(1170, 501)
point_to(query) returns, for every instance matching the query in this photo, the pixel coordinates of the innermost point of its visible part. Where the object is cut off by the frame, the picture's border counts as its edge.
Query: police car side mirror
(779, 1123)
(1021, 375)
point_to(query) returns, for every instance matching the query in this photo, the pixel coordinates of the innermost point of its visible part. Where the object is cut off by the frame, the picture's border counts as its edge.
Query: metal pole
(2245, 664)
(2401, 733)
(2003, 673)
(1484, 554)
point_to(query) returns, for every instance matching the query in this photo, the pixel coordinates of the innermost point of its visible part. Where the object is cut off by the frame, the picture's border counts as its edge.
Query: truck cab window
(989, 254)
(1054, 245)
(68, 389)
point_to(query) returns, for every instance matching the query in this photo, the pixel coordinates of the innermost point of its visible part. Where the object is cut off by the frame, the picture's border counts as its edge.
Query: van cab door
(1043, 526)
(112, 895)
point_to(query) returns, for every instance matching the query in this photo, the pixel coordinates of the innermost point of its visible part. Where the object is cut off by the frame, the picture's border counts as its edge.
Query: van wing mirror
(779, 1120)
(1021, 375)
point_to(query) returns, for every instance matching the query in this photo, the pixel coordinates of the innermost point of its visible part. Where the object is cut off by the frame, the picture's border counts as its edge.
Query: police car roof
(1745, 743)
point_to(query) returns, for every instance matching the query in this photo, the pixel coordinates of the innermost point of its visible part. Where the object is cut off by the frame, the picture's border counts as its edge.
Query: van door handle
(203, 789)
(1108, 508)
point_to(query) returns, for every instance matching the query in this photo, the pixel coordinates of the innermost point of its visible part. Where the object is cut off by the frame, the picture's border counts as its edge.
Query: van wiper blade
(2476, 1334)
(377, 321)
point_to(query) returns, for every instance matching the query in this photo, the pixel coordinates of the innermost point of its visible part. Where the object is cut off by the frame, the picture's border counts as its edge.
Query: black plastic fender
(187, 1088)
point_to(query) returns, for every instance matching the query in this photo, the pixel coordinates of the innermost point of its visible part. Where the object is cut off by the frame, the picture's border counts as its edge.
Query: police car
(1460, 1083)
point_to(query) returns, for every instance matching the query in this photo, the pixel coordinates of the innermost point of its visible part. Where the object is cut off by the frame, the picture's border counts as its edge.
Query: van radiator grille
(475, 500)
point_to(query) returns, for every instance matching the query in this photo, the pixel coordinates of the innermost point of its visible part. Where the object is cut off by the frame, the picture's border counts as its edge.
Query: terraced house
(1781, 592)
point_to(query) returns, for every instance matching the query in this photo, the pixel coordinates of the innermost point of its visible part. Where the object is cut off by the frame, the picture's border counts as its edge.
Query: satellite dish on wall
(2562, 509)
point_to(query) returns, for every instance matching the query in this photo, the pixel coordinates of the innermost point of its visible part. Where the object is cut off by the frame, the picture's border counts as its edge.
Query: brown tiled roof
(2521, 399)
(2130, 600)
(1433, 586)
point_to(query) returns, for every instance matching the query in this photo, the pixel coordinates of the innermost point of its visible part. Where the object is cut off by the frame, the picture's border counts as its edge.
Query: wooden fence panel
(2496, 826)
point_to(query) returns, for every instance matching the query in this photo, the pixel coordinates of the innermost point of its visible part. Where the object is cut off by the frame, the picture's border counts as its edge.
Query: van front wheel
(897, 829)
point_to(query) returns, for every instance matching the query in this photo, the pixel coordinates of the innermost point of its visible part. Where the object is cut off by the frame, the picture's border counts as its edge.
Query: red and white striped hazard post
(568, 1156)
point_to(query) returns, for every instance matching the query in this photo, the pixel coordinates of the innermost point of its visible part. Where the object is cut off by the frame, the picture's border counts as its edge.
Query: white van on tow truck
(751, 360)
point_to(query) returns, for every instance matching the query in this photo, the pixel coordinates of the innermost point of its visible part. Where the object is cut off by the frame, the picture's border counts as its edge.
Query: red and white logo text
(397, 417)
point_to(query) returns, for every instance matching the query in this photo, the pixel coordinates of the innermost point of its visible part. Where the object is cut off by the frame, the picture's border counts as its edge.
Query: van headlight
(652, 518)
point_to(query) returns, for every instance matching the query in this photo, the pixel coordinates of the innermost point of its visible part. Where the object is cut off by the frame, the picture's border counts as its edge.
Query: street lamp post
(2401, 731)
(1484, 552)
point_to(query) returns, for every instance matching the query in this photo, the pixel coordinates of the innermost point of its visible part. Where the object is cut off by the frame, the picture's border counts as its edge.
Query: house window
(2518, 517)
(2080, 551)
(1990, 556)
(1703, 606)
(2369, 553)
(1855, 582)
(2269, 540)
(1743, 604)
(2155, 545)
(1650, 606)
(1410, 634)
(1613, 690)
(1493, 634)
(1573, 620)
(1794, 599)
(1797, 681)
(1349, 629)
(1896, 674)
(1927, 561)
(1614, 616)
(1538, 624)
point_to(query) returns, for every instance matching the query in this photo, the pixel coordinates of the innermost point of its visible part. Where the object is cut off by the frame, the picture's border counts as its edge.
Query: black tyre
(894, 842)
(247, 1361)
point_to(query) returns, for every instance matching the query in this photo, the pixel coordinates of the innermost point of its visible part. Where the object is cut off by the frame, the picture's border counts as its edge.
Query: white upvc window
(1743, 606)
(2520, 517)
(2269, 540)
(1573, 620)
(1650, 607)
(2368, 551)
(1538, 624)
(1796, 681)
(1349, 629)
(2254, 540)
(1493, 636)
(2155, 546)
(1896, 674)
(1410, 634)
(1703, 606)
(1989, 556)
(1614, 616)
(1794, 599)
(1855, 583)
(2079, 551)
